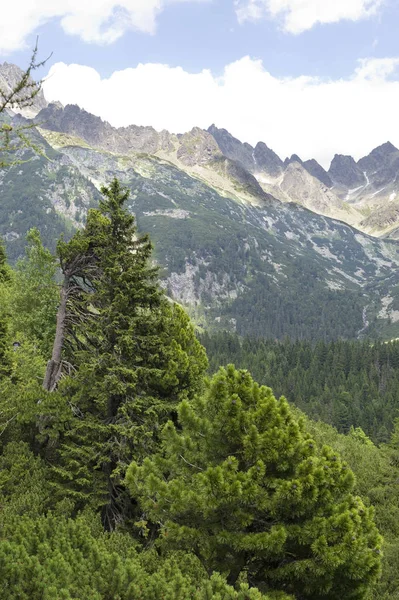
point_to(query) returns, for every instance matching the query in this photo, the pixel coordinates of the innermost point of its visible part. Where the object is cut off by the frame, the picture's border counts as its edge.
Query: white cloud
(98, 21)
(312, 117)
(300, 15)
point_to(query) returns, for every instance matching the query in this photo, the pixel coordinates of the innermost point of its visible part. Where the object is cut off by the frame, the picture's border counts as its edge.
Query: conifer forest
(147, 453)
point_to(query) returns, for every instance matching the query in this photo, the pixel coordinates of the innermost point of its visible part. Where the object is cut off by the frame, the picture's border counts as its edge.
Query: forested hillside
(134, 467)
(113, 451)
(342, 383)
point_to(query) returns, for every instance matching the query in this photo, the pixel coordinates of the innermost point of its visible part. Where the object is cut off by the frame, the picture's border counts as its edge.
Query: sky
(311, 77)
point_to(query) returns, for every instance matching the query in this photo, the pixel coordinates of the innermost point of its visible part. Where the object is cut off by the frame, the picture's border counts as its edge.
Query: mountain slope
(254, 265)
(236, 256)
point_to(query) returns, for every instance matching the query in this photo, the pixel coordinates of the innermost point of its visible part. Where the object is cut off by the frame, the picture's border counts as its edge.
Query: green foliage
(34, 295)
(52, 557)
(135, 357)
(47, 556)
(341, 383)
(241, 484)
(243, 501)
(377, 477)
(4, 269)
(24, 490)
(5, 367)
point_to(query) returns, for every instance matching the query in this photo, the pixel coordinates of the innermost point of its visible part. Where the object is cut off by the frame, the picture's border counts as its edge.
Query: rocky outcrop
(301, 187)
(267, 161)
(232, 148)
(316, 170)
(197, 147)
(291, 159)
(348, 191)
(344, 171)
(381, 165)
(100, 134)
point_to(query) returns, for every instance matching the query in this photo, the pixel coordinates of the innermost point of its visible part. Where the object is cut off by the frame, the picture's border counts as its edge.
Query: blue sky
(207, 35)
(284, 41)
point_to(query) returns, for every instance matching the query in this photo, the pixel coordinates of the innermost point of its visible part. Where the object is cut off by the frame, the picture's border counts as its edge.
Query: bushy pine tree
(240, 483)
(47, 555)
(134, 354)
(51, 557)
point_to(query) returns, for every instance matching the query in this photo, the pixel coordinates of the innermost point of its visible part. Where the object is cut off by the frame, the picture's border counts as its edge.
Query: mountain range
(245, 240)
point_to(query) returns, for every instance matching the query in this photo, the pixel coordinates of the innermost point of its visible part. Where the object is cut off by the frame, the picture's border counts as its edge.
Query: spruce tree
(134, 357)
(241, 484)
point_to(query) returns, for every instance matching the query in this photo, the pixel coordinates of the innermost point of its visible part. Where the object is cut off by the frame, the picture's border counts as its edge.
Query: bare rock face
(315, 169)
(344, 171)
(198, 147)
(10, 76)
(381, 165)
(294, 158)
(232, 148)
(100, 134)
(386, 216)
(267, 161)
(301, 187)
(260, 159)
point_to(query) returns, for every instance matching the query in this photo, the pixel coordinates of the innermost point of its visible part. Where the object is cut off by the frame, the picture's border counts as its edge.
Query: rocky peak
(315, 169)
(198, 147)
(232, 148)
(379, 158)
(10, 76)
(293, 158)
(345, 172)
(267, 161)
(100, 134)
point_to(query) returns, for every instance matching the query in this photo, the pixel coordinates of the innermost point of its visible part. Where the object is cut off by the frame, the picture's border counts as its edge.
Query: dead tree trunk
(54, 365)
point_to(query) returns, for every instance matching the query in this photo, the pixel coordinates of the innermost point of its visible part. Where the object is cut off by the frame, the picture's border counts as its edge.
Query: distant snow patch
(353, 191)
(379, 191)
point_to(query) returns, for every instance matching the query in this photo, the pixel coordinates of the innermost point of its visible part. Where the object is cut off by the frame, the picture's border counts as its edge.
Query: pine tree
(240, 484)
(135, 357)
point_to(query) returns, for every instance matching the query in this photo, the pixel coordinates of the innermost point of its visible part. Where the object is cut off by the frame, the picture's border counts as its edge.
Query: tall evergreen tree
(134, 353)
(242, 485)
